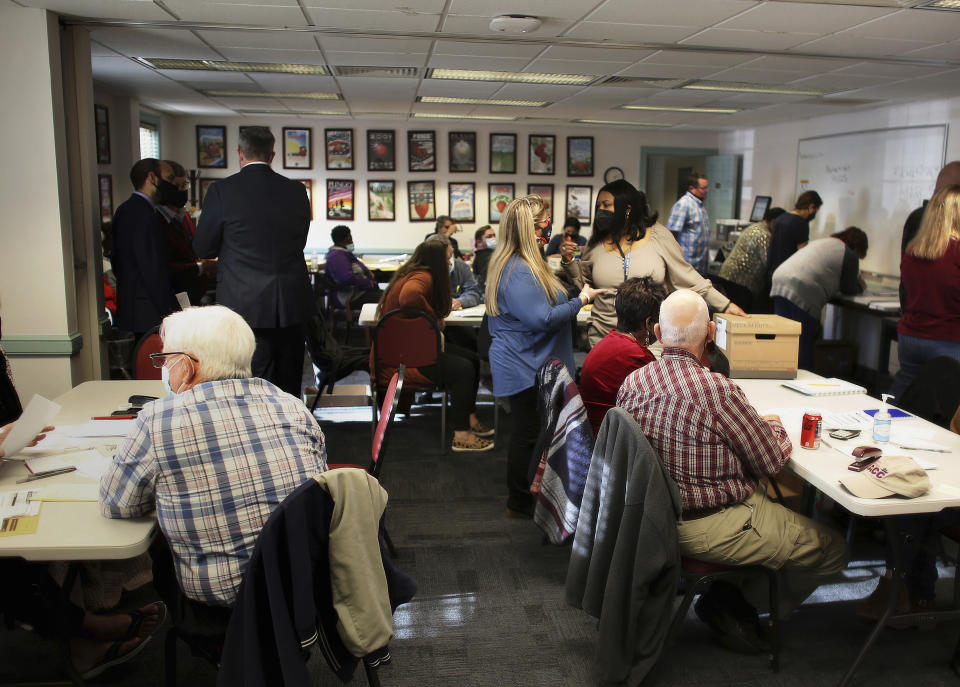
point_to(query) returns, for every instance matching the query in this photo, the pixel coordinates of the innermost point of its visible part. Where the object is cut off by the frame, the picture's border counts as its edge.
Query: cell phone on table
(137, 400)
(844, 434)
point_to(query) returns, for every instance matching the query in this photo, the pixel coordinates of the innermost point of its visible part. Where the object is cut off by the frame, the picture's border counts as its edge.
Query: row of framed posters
(381, 151)
(421, 199)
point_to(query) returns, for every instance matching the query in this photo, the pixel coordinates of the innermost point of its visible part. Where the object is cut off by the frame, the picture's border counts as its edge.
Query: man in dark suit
(256, 222)
(187, 271)
(138, 256)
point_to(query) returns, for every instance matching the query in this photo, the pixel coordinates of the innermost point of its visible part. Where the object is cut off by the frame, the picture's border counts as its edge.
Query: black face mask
(170, 194)
(603, 222)
(812, 216)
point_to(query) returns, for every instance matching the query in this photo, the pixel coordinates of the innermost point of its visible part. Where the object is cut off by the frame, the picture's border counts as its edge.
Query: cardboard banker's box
(764, 346)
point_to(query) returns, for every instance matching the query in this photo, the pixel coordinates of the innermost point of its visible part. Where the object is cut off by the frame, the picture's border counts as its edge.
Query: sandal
(478, 445)
(113, 657)
(481, 430)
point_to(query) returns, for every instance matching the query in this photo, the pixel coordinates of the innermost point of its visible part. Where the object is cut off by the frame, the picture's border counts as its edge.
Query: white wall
(770, 152)
(612, 147)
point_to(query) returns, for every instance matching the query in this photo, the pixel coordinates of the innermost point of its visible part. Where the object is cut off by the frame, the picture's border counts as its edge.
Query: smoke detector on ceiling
(514, 23)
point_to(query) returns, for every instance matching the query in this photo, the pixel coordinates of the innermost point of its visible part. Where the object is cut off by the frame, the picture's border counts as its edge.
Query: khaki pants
(760, 532)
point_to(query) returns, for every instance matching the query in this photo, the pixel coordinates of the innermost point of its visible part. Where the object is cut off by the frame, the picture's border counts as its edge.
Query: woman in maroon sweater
(930, 273)
(623, 349)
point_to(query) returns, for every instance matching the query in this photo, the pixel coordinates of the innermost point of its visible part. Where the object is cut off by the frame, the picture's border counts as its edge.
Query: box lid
(757, 324)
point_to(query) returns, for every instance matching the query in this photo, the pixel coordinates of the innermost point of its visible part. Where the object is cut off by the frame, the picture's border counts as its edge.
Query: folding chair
(408, 337)
(142, 365)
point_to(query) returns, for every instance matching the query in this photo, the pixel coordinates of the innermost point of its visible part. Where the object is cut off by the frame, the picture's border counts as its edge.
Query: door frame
(647, 151)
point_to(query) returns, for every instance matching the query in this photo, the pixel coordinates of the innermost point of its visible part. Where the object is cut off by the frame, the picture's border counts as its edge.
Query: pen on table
(115, 417)
(923, 448)
(46, 473)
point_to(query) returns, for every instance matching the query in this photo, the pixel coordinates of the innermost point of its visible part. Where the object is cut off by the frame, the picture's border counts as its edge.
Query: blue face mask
(165, 378)
(349, 247)
(492, 243)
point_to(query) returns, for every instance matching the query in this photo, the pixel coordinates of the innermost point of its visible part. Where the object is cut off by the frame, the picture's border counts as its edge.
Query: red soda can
(810, 430)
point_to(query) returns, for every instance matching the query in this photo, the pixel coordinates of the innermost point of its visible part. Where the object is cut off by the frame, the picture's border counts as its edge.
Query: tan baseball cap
(900, 475)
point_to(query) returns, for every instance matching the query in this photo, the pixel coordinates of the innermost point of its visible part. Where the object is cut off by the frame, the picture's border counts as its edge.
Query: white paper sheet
(14, 504)
(88, 491)
(473, 311)
(91, 463)
(38, 414)
(98, 428)
(847, 447)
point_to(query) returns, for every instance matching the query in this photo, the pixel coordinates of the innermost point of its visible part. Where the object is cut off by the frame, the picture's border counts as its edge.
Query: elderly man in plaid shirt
(690, 225)
(717, 448)
(216, 457)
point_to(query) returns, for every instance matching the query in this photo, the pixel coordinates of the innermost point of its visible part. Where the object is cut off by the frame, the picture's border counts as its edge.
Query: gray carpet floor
(490, 610)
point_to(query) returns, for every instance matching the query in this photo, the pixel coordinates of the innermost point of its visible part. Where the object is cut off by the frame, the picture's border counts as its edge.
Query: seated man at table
(215, 458)
(355, 282)
(716, 447)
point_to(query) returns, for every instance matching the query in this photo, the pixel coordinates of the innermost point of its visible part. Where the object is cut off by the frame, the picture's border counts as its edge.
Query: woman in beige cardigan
(626, 242)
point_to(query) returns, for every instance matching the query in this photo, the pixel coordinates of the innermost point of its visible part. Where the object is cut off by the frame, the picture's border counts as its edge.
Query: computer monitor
(760, 206)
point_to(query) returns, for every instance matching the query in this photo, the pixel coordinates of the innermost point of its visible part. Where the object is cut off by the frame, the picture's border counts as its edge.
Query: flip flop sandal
(480, 446)
(138, 617)
(113, 658)
(481, 430)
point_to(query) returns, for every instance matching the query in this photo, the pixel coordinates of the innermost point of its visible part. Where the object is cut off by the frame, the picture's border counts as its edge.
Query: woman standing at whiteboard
(930, 273)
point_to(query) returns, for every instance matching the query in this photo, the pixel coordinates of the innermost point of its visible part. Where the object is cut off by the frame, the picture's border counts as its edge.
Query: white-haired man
(716, 447)
(216, 457)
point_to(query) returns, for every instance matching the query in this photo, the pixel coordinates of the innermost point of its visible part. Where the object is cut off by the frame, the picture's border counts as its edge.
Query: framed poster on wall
(580, 156)
(462, 206)
(542, 154)
(340, 199)
(463, 151)
(297, 148)
(578, 202)
(381, 150)
(545, 191)
(101, 117)
(211, 146)
(308, 185)
(503, 153)
(339, 148)
(500, 197)
(381, 201)
(422, 151)
(105, 188)
(422, 201)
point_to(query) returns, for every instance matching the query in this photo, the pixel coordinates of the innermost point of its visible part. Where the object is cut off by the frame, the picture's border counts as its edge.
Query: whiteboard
(872, 180)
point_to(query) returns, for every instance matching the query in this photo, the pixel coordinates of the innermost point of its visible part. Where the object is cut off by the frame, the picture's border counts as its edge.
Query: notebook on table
(825, 387)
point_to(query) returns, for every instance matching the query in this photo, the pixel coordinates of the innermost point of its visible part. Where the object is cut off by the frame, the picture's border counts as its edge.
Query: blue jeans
(809, 328)
(914, 352)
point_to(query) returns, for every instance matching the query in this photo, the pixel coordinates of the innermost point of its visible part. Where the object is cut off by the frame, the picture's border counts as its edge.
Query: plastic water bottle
(881, 422)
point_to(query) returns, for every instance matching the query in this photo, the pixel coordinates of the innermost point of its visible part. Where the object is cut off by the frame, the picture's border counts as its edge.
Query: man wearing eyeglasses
(690, 225)
(215, 458)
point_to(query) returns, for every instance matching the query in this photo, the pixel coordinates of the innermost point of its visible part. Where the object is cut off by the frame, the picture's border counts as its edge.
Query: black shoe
(737, 634)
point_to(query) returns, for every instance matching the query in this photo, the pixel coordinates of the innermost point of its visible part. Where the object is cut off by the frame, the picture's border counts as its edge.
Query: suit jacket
(182, 259)
(139, 259)
(256, 221)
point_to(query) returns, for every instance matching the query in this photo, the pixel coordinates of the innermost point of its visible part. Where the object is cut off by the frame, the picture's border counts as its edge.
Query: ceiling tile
(839, 81)
(323, 105)
(505, 64)
(560, 9)
(684, 98)
(901, 71)
(944, 51)
(668, 71)
(376, 59)
(501, 48)
(566, 52)
(697, 57)
(154, 43)
(406, 88)
(311, 56)
(848, 45)
(811, 65)
(370, 45)
(458, 89)
(576, 67)
(272, 40)
(767, 76)
(374, 20)
(629, 33)
(919, 25)
(288, 14)
(691, 13)
(803, 18)
(102, 9)
(756, 40)
(248, 103)
(480, 26)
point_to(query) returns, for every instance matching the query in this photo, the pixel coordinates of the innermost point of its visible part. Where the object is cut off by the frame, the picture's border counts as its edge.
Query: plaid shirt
(690, 224)
(215, 460)
(710, 439)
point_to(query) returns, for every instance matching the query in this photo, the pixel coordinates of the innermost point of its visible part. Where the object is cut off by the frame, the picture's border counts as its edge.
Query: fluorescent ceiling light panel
(940, 5)
(225, 66)
(511, 77)
(668, 108)
(744, 87)
(617, 123)
(276, 94)
(437, 115)
(480, 101)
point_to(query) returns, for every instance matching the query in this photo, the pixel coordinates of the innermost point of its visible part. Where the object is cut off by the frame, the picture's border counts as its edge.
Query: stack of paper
(832, 386)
